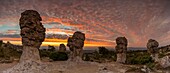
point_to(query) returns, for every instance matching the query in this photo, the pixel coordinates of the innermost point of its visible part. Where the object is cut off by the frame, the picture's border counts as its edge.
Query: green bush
(102, 55)
(44, 53)
(58, 56)
(136, 57)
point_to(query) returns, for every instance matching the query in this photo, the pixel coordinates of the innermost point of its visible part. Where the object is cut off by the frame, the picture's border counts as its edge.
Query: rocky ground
(72, 67)
(87, 67)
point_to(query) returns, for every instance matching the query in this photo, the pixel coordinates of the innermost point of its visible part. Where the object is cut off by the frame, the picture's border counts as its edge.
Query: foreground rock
(33, 34)
(75, 44)
(121, 49)
(165, 61)
(152, 47)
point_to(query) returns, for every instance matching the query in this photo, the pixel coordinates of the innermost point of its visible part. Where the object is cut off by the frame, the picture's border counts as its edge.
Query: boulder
(165, 61)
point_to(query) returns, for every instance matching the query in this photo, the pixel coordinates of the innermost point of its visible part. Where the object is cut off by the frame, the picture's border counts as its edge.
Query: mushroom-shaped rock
(121, 49)
(32, 30)
(152, 47)
(33, 34)
(75, 44)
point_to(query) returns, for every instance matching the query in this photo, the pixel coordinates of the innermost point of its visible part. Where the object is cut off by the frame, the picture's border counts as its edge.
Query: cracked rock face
(75, 44)
(121, 49)
(32, 30)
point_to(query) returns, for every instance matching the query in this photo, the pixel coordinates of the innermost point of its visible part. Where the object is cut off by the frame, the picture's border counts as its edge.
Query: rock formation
(33, 34)
(152, 48)
(75, 44)
(32, 30)
(62, 48)
(121, 49)
(165, 62)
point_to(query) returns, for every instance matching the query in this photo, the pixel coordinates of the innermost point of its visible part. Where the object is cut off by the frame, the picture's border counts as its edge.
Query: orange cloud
(66, 22)
(57, 42)
(60, 31)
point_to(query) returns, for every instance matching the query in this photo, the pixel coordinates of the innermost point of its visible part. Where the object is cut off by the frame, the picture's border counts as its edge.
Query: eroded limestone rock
(33, 34)
(152, 48)
(32, 30)
(165, 61)
(75, 44)
(121, 49)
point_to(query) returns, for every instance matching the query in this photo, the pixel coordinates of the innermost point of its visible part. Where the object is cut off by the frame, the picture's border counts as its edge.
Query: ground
(81, 67)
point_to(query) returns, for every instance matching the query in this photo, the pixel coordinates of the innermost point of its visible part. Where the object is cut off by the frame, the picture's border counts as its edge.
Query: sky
(102, 21)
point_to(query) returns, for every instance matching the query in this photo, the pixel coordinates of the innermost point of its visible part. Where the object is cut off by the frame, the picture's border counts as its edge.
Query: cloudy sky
(101, 20)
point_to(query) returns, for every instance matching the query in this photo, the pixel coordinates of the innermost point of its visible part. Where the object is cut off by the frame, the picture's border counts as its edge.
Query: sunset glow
(102, 21)
(56, 42)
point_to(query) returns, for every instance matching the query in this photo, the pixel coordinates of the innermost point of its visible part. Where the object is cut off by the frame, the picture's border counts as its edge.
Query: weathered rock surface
(75, 44)
(165, 61)
(33, 34)
(62, 48)
(32, 30)
(152, 47)
(121, 49)
(28, 67)
(30, 53)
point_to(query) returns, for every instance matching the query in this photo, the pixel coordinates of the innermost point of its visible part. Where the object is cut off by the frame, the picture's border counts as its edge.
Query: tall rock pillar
(152, 48)
(33, 34)
(121, 49)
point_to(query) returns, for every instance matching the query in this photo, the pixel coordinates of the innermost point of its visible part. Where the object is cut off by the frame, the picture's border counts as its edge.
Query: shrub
(134, 57)
(44, 53)
(103, 55)
(58, 56)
